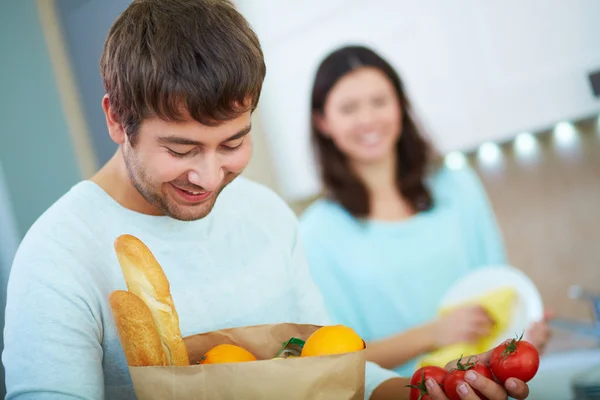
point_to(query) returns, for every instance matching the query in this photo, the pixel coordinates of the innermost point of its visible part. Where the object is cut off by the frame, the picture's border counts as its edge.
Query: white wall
(9, 239)
(476, 70)
(9, 236)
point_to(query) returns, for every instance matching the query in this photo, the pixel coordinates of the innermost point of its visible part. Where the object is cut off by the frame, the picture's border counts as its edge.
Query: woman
(395, 228)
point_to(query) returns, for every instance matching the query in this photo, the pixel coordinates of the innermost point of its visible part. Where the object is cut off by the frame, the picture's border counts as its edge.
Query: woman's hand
(539, 333)
(465, 324)
(514, 388)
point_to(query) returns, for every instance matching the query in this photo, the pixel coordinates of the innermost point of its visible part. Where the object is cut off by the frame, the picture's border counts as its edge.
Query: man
(182, 79)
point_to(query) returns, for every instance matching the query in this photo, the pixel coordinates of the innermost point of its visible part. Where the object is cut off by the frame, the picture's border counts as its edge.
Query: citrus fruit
(335, 339)
(227, 353)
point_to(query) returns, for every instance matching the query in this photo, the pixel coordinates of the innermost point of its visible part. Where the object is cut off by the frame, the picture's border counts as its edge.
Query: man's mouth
(191, 192)
(192, 196)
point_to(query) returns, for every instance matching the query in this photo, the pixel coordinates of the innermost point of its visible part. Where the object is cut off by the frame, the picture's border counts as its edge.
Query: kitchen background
(503, 86)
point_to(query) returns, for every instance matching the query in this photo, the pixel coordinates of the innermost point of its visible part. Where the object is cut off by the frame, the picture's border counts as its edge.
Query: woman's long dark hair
(412, 150)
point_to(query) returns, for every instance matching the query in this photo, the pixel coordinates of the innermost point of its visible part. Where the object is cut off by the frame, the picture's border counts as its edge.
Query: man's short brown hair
(174, 58)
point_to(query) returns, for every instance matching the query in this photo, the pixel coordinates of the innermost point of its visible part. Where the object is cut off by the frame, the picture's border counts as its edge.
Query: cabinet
(475, 71)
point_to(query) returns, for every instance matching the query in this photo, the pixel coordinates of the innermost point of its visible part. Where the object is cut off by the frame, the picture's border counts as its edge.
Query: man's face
(181, 167)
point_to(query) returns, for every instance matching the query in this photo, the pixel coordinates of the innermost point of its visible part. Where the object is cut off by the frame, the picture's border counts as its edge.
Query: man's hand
(514, 388)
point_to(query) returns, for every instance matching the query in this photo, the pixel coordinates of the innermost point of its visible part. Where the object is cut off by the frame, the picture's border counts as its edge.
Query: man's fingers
(485, 386)
(435, 391)
(517, 389)
(483, 358)
(467, 393)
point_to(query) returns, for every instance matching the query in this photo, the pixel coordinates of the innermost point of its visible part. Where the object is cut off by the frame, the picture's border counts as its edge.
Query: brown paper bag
(327, 377)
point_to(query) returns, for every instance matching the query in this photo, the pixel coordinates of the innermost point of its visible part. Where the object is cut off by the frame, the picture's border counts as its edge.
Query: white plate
(529, 307)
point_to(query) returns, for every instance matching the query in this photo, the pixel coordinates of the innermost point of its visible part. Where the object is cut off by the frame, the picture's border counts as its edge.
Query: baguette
(145, 278)
(138, 333)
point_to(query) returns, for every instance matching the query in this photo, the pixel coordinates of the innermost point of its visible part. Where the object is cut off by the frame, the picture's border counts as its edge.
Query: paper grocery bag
(325, 377)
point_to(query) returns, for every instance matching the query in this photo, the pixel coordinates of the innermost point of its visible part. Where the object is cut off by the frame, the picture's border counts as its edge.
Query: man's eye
(180, 155)
(234, 148)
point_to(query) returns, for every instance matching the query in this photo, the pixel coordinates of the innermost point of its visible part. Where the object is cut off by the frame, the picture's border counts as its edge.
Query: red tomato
(457, 375)
(418, 389)
(515, 359)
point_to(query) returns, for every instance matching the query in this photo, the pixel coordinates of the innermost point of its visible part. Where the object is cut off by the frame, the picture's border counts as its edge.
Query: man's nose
(208, 173)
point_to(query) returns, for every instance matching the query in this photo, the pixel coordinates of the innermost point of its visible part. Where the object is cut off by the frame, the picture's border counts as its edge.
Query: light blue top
(241, 265)
(382, 278)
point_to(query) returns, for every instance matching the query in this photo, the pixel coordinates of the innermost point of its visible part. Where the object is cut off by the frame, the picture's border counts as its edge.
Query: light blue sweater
(241, 265)
(382, 278)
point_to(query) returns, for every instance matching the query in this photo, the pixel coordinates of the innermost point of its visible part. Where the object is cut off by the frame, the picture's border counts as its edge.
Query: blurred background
(511, 88)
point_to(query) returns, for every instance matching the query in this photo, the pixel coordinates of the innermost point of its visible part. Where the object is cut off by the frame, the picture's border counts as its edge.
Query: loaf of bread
(145, 279)
(137, 330)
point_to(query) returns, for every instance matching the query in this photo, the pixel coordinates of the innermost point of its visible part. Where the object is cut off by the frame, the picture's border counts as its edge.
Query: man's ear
(115, 128)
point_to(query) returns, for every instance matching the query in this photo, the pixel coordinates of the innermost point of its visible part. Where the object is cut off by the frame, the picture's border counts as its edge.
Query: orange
(335, 339)
(227, 353)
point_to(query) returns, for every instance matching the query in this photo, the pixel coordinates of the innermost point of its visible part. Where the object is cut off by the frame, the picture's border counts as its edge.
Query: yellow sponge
(499, 303)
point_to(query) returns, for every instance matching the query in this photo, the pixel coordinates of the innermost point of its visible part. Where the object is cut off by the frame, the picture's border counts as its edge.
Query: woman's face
(362, 116)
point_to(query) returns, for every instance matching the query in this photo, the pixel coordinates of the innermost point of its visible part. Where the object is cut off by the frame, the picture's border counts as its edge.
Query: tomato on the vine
(457, 375)
(418, 389)
(515, 359)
